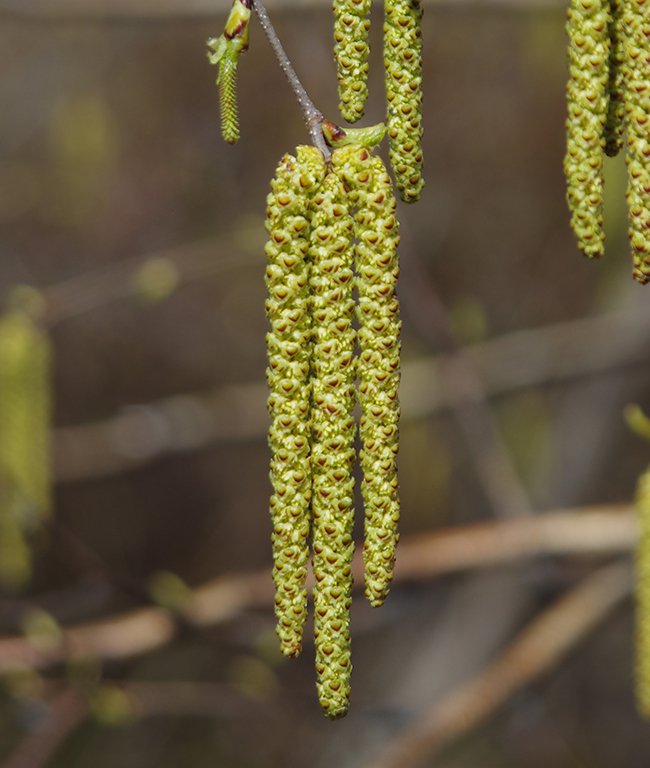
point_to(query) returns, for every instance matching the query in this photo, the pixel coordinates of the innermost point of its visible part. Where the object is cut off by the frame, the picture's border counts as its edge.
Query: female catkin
(351, 51)
(587, 105)
(378, 366)
(636, 26)
(403, 73)
(615, 122)
(333, 431)
(643, 596)
(225, 51)
(296, 180)
(24, 439)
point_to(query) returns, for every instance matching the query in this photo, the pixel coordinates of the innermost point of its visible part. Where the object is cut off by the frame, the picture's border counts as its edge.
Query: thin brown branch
(64, 714)
(145, 433)
(536, 650)
(595, 531)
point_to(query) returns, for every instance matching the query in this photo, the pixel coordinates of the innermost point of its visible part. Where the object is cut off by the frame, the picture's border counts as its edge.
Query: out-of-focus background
(120, 201)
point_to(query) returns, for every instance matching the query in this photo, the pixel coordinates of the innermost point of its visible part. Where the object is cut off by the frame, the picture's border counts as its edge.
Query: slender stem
(313, 116)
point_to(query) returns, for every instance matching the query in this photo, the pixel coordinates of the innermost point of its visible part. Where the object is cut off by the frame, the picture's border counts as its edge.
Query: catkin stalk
(636, 25)
(333, 430)
(587, 105)
(296, 180)
(24, 440)
(378, 367)
(403, 73)
(351, 51)
(643, 596)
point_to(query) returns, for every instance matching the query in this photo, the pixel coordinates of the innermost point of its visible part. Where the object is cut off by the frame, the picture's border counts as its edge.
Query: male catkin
(333, 430)
(643, 596)
(351, 51)
(296, 180)
(636, 26)
(24, 440)
(403, 72)
(378, 366)
(587, 103)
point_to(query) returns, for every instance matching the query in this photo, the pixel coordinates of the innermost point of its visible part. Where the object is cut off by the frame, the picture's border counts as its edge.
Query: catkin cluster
(608, 93)
(24, 441)
(332, 229)
(403, 77)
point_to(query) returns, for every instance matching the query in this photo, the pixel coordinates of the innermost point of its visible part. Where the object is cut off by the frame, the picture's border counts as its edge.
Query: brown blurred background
(111, 160)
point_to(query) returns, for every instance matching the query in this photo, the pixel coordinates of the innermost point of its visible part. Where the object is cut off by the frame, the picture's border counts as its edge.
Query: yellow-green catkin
(403, 68)
(333, 433)
(636, 25)
(351, 51)
(587, 104)
(615, 123)
(24, 440)
(643, 596)
(225, 54)
(296, 180)
(378, 366)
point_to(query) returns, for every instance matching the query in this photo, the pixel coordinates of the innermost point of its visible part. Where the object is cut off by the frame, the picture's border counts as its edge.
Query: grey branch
(594, 531)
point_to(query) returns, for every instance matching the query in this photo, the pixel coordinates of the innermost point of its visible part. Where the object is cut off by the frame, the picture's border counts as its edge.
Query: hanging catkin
(643, 596)
(403, 72)
(589, 47)
(351, 51)
(615, 123)
(226, 50)
(378, 367)
(24, 440)
(636, 26)
(333, 430)
(296, 180)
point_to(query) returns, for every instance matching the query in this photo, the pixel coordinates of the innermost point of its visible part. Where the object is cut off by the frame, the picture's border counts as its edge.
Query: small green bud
(362, 137)
(225, 54)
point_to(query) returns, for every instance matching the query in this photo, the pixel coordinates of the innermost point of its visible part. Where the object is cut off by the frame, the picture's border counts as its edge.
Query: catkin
(378, 366)
(296, 180)
(615, 122)
(24, 440)
(636, 25)
(589, 48)
(643, 596)
(403, 73)
(351, 51)
(225, 54)
(333, 431)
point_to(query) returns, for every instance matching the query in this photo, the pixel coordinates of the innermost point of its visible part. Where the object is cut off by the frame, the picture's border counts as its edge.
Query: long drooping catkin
(351, 51)
(403, 68)
(296, 180)
(643, 596)
(333, 432)
(378, 367)
(589, 48)
(636, 25)
(24, 440)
